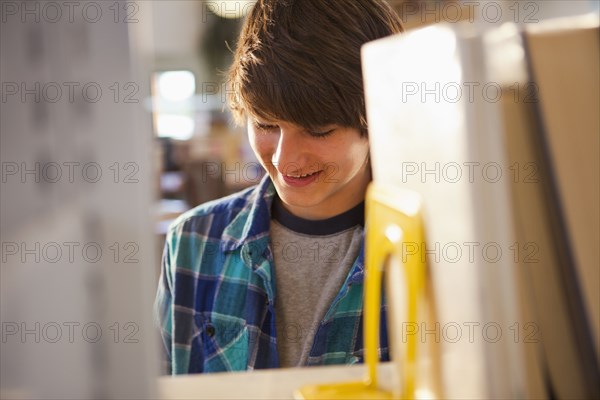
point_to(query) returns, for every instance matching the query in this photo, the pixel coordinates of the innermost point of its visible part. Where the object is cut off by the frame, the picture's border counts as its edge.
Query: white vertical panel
(433, 128)
(85, 47)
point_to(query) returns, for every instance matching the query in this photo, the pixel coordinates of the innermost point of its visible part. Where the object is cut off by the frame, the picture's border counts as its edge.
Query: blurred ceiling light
(179, 127)
(176, 85)
(230, 8)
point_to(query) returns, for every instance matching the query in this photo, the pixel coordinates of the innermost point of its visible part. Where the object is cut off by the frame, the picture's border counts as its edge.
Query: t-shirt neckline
(338, 223)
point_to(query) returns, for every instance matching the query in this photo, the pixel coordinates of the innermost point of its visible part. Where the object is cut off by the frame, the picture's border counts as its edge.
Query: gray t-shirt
(312, 261)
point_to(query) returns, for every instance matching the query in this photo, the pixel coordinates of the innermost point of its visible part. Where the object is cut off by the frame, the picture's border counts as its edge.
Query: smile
(302, 176)
(301, 179)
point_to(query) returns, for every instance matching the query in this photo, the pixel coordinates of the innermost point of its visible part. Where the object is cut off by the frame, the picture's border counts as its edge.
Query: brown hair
(299, 60)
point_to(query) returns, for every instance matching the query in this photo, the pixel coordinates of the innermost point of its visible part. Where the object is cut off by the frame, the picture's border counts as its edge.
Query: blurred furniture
(203, 181)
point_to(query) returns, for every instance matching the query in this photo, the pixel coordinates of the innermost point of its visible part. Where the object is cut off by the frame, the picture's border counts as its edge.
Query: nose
(292, 153)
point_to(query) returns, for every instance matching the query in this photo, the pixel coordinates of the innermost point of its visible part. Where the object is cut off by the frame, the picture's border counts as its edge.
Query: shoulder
(213, 214)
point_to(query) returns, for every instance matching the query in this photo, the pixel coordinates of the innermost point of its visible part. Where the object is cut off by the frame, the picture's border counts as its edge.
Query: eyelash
(266, 127)
(321, 134)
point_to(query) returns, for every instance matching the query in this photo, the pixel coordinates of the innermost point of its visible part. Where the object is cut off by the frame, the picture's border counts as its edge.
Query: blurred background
(113, 122)
(199, 154)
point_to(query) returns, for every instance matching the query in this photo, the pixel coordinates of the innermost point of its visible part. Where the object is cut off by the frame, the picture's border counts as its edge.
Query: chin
(304, 201)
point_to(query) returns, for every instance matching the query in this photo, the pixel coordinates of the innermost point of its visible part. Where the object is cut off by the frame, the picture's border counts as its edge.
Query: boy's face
(317, 174)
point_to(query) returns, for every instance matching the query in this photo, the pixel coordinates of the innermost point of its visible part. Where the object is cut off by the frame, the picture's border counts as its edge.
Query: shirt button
(210, 330)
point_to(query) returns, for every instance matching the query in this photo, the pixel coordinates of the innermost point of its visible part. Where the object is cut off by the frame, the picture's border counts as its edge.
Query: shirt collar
(357, 274)
(253, 220)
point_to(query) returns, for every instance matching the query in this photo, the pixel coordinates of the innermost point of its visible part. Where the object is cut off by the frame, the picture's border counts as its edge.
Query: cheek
(347, 153)
(361, 147)
(356, 151)
(262, 146)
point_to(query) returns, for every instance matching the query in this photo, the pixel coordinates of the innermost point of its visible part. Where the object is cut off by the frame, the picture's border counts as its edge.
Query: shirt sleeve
(163, 305)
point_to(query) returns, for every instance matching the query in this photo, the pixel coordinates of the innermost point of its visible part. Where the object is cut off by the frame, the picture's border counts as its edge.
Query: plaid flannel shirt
(216, 293)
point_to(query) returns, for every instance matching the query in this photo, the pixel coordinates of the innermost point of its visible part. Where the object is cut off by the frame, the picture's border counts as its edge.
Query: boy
(273, 276)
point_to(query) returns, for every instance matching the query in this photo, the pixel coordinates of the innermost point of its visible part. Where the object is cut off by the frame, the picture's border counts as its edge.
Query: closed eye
(271, 127)
(265, 127)
(321, 134)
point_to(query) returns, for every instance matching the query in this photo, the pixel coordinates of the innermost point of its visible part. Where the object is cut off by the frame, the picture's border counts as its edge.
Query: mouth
(298, 180)
(302, 176)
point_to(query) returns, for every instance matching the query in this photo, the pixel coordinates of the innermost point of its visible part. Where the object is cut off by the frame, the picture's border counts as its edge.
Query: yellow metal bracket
(393, 221)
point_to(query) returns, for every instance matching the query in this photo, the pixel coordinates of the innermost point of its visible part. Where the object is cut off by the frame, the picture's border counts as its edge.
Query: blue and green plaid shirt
(216, 294)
